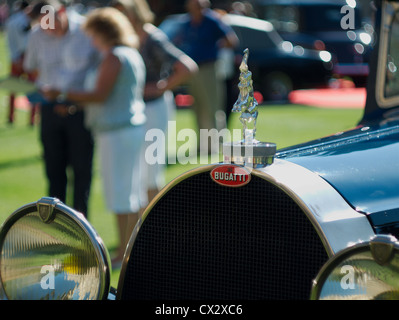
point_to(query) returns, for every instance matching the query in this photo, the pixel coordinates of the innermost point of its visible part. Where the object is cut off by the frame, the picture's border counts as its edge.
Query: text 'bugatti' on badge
(230, 175)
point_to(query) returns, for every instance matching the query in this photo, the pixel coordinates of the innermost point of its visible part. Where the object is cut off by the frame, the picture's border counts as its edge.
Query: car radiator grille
(206, 241)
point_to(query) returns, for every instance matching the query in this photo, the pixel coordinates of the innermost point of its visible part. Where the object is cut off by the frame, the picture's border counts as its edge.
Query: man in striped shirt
(62, 54)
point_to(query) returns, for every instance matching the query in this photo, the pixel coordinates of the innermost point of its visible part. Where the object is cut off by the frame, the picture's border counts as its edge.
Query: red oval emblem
(230, 175)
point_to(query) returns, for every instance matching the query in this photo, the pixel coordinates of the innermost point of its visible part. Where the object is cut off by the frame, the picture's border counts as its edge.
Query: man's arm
(30, 63)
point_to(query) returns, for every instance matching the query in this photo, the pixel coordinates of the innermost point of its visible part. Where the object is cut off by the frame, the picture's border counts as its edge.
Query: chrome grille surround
(201, 241)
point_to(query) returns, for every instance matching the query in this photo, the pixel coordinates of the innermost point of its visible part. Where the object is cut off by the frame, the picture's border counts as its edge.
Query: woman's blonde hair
(138, 11)
(112, 26)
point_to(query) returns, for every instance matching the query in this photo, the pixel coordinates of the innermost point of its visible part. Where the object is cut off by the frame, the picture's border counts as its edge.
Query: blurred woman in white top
(167, 68)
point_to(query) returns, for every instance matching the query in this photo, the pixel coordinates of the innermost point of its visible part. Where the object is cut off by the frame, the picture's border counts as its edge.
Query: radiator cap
(258, 154)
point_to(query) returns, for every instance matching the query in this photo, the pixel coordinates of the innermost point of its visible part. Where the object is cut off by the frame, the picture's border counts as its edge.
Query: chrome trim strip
(336, 222)
(326, 145)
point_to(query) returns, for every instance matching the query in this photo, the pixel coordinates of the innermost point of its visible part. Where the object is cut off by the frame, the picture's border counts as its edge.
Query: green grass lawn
(22, 177)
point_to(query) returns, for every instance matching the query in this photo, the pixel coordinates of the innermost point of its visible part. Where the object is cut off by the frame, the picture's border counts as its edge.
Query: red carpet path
(330, 98)
(324, 98)
(343, 97)
(21, 102)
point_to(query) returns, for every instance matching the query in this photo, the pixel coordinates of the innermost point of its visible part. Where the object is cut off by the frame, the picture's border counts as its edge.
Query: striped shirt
(62, 62)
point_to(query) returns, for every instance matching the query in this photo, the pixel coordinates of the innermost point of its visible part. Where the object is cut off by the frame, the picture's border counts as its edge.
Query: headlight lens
(368, 271)
(49, 251)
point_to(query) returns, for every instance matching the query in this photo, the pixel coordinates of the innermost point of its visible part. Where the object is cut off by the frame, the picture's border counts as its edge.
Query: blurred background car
(317, 25)
(278, 66)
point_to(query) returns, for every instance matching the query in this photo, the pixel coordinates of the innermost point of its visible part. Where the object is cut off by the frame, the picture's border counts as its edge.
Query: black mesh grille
(206, 241)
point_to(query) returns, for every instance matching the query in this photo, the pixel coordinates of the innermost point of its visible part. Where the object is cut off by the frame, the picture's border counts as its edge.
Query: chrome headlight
(49, 251)
(366, 271)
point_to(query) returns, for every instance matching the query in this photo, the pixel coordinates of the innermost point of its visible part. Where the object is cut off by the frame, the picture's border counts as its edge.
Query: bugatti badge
(230, 175)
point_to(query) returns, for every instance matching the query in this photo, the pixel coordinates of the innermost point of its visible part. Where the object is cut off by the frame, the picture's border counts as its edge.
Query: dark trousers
(67, 143)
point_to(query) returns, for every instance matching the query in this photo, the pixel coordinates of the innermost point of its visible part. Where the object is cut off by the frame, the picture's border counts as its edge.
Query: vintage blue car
(339, 27)
(318, 220)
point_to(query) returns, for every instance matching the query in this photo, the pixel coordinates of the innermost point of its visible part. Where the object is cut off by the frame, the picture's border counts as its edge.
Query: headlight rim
(352, 250)
(59, 207)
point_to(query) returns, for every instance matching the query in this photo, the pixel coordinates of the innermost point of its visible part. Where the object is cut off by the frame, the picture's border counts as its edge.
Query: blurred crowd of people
(105, 75)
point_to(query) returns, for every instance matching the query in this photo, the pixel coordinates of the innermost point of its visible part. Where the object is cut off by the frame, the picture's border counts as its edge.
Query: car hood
(361, 164)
